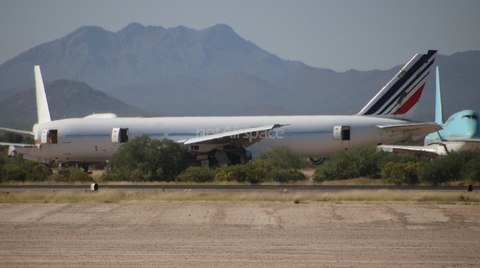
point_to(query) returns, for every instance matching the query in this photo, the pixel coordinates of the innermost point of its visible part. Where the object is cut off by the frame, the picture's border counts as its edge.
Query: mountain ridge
(185, 72)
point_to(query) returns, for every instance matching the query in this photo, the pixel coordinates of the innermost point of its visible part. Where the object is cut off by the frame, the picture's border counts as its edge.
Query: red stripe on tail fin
(410, 102)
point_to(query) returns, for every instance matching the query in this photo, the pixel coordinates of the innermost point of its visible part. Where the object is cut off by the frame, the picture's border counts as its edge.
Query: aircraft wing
(416, 130)
(10, 147)
(7, 144)
(246, 136)
(427, 151)
(460, 140)
(17, 131)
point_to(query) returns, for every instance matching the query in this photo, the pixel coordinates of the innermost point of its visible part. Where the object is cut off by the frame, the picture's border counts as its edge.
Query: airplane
(235, 139)
(459, 133)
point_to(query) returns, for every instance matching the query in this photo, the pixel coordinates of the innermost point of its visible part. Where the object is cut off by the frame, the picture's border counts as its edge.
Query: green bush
(452, 167)
(471, 169)
(282, 157)
(222, 174)
(24, 171)
(361, 162)
(402, 173)
(238, 173)
(13, 173)
(258, 170)
(72, 174)
(384, 158)
(285, 176)
(196, 174)
(111, 176)
(145, 159)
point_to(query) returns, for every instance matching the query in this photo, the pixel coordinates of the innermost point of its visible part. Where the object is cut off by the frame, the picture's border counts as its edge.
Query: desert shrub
(258, 170)
(72, 174)
(452, 167)
(402, 173)
(384, 158)
(285, 176)
(111, 176)
(222, 174)
(25, 171)
(238, 173)
(196, 174)
(361, 162)
(13, 173)
(282, 157)
(471, 169)
(145, 159)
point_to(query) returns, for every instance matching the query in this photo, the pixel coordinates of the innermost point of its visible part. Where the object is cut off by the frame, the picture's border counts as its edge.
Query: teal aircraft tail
(438, 100)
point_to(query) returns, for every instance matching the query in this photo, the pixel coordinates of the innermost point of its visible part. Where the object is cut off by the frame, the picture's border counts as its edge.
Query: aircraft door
(341, 133)
(49, 136)
(120, 135)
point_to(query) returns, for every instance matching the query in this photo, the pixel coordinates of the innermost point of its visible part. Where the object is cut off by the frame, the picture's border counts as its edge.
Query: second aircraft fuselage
(457, 130)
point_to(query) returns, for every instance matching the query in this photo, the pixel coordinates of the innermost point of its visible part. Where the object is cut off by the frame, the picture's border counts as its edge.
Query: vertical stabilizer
(399, 97)
(43, 112)
(438, 100)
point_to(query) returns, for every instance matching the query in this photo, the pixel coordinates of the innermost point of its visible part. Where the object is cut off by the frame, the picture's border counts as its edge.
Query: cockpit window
(470, 116)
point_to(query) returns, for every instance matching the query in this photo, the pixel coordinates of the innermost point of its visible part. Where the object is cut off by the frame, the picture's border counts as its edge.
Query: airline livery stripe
(417, 82)
(86, 135)
(182, 134)
(410, 102)
(153, 134)
(393, 103)
(309, 133)
(394, 90)
(390, 96)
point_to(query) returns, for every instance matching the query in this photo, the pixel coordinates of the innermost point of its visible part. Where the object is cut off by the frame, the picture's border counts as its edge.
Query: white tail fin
(43, 112)
(399, 97)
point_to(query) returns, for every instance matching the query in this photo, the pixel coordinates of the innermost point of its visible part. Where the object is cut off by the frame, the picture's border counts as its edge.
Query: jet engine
(316, 161)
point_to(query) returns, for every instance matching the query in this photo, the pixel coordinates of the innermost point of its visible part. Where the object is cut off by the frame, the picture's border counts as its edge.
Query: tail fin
(43, 112)
(399, 97)
(438, 100)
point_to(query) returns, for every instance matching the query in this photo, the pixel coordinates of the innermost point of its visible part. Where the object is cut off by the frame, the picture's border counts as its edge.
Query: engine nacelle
(316, 161)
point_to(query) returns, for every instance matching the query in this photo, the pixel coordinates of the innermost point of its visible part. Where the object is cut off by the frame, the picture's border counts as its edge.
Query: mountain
(180, 71)
(137, 53)
(305, 90)
(66, 99)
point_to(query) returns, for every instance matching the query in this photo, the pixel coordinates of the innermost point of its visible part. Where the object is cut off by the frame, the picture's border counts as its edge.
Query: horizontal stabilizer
(416, 129)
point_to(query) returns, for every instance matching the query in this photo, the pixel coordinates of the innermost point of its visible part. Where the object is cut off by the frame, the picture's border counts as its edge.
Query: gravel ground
(239, 235)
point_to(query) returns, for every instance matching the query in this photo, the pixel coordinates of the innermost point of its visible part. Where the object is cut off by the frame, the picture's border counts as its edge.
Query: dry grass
(354, 196)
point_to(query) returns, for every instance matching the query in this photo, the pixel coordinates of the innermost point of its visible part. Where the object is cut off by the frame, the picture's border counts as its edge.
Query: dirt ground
(239, 235)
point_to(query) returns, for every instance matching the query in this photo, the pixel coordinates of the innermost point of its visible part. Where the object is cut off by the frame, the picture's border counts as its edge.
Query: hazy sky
(337, 34)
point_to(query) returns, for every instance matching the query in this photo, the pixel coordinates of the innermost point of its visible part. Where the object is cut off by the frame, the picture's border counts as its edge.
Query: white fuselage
(89, 140)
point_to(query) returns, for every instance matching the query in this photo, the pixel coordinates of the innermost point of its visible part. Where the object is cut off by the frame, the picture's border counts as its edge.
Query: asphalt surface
(223, 188)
